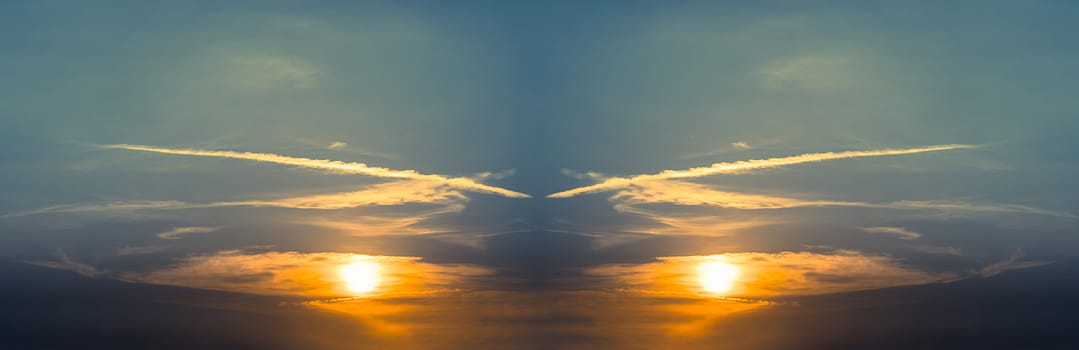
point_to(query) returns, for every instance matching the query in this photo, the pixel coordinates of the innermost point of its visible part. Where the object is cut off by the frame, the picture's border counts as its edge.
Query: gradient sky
(555, 175)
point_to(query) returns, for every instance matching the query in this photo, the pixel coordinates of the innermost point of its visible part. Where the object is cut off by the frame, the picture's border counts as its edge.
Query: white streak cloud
(63, 262)
(177, 232)
(333, 166)
(1013, 263)
(614, 183)
(900, 232)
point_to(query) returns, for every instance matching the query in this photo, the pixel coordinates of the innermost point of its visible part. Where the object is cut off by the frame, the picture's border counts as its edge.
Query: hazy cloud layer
(763, 275)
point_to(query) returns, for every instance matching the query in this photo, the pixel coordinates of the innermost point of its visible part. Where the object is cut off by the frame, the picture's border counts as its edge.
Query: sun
(717, 276)
(360, 277)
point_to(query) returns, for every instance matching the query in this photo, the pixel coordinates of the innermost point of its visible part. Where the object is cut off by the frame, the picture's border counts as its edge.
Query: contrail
(614, 183)
(335, 166)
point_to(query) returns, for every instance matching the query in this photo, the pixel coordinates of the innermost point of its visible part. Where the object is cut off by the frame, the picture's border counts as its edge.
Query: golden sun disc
(717, 276)
(361, 277)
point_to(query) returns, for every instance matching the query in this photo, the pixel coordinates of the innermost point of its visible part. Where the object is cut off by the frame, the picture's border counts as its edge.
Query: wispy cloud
(1014, 262)
(334, 166)
(139, 250)
(390, 193)
(269, 73)
(105, 207)
(177, 232)
(732, 147)
(63, 262)
(614, 183)
(409, 186)
(637, 195)
(902, 233)
(342, 146)
(954, 206)
(695, 194)
(688, 193)
(810, 73)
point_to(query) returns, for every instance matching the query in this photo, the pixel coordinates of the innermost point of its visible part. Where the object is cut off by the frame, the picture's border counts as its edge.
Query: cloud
(733, 147)
(1013, 263)
(971, 207)
(176, 232)
(378, 225)
(337, 145)
(665, 188)
(333, 166)
(139, 250)
(938, 250)
(614, 183)
(902, 233)
(809, 73)
(688, 193)
(390, 193)
(384, 194)
(695, 225)
(313, 275)
(62, 262)
(694, 194)
(314, 143)
(410, 186)
(270, 73)
(104, 207)
(764, 275)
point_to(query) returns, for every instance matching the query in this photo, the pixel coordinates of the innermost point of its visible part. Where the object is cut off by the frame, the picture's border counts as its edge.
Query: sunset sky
(539, 175)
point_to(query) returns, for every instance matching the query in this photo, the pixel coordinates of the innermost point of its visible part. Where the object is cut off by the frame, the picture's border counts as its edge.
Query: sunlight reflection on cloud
(309, 275)
(764, 275)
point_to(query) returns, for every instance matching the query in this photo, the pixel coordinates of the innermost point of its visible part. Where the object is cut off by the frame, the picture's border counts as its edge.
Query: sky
(544, 175)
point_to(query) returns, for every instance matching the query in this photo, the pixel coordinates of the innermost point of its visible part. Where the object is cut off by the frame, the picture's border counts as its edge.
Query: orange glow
(361, 277)
(717, 276)
(317, 276)
(757, 276)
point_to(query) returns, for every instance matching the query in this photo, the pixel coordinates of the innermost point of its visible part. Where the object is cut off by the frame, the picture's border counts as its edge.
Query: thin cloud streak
(334, 166)
(615, 183)
(177, 232)
(694, 194)
(391, 193)
(106, 207)
(900, 232)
